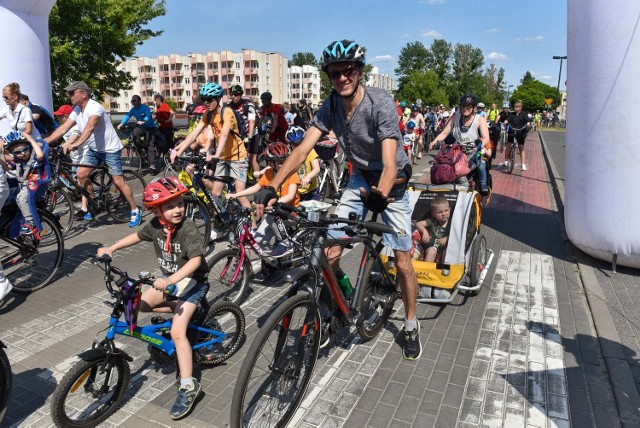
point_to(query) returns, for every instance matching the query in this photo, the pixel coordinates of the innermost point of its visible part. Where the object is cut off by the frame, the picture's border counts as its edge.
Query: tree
(172, 103)
(441, 52)
(303, 58)
(532, 93)
(424, 85)
(414, 56)
(88, 40)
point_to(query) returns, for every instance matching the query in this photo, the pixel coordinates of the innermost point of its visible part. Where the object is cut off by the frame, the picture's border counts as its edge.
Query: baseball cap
(77, 85)
(63, 109)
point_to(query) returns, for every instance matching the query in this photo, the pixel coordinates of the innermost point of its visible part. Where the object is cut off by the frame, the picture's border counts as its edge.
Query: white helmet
(445, 114)
(480, 105)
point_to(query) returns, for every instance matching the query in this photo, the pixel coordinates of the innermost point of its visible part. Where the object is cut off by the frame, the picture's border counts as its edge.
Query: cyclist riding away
(176, 242)
(365, 120)
(103, 144)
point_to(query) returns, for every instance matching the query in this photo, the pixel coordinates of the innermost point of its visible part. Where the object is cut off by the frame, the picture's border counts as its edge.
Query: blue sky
(518, 36)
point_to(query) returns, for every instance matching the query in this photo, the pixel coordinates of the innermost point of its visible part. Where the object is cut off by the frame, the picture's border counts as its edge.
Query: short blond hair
(518, 103)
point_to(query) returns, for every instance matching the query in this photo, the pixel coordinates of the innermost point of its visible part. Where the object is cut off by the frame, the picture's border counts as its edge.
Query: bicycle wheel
(60, 204)
(228, 280)
(376, 301)
(117, 205)
(278, 367)
(224, 317)
(90, 392)
(6, 380)
(196, 211)
(131, 158)
(30, 264)
(512, 158)
(478, 262)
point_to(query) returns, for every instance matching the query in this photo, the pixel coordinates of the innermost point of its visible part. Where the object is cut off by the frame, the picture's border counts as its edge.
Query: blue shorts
(397, 214)
(196, 294)
(113, 160)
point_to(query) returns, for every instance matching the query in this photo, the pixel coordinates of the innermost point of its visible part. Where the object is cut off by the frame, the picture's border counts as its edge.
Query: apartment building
(180, 76)
(383, 81)
(304, 82)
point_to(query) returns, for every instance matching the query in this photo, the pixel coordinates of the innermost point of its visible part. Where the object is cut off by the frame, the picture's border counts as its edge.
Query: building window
(187, 80)
(237, 65)
(126, 106)
(187, 93)
(126, 94)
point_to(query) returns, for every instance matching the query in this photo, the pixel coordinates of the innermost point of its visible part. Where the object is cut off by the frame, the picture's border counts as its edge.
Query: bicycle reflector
(131, 294)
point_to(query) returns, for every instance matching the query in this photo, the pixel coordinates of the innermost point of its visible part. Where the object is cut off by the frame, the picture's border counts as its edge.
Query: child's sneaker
(27, 229)
(87, 216)
(184, 401)
(136, 218)
(524, 167)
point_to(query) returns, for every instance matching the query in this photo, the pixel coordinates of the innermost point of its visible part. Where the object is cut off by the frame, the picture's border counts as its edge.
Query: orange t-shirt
(234, 149)
(294, 178)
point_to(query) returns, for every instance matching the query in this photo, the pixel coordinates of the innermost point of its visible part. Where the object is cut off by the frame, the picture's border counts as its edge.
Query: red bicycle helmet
(162, 190)
(277, 151)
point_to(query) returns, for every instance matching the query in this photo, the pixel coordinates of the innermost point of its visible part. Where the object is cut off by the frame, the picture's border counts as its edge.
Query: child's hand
(425, 237)
(161, 284)
(304, 181)
(104, 250)
(442, 241)
(231, 196)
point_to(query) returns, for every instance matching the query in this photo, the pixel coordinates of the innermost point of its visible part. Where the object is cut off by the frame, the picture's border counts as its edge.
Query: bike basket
(131, 294)
(326, 149)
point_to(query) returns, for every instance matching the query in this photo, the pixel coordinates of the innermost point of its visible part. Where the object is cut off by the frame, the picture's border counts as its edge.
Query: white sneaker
(213, 235)
(524, 167)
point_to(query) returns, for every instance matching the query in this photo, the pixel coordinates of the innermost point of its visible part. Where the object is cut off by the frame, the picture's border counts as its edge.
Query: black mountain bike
(278, 367)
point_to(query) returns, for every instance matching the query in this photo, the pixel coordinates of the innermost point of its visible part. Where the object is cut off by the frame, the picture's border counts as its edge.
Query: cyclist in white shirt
(20, 116)
(102, 143)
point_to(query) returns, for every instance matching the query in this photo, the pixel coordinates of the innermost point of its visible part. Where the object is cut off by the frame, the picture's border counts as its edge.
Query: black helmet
(303, 101)
(468, 99)
(342, 51)
(266, 96)
(236, 89)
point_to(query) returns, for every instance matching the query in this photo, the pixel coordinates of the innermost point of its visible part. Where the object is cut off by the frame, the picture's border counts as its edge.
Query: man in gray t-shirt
(365, 122)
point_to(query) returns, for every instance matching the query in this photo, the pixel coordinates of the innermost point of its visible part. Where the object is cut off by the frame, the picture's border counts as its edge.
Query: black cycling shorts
(254, 145)
(520, 138)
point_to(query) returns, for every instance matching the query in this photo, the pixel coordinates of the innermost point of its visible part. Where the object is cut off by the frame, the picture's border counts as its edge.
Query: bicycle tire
(224, 317)
(37, 266)
(222, 268)
(478, 262)
(278, 378)
(82, 377)
(512, 158)
(196, 211)
(6, 382)
(116, 204)
(61, 205)
(376, 301)
(131, 158)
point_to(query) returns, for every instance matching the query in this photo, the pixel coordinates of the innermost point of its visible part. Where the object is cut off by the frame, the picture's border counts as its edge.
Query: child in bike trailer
(409, 139)
(310, 168)
(5, 284)
(275, 153)
(176, 241)
(431, 239)
(29, 166)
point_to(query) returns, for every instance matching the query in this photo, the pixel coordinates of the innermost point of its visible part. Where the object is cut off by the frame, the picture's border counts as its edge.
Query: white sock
(410, 325)
(186, 383)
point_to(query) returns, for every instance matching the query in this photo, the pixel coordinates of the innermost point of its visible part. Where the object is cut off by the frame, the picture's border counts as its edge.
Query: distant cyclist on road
(519, 122)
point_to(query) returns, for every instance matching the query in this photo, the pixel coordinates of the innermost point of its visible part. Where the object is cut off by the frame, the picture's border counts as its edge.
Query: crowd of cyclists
(267, 152)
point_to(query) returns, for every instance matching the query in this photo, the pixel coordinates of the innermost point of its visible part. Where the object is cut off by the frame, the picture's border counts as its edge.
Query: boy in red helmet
(178, 247)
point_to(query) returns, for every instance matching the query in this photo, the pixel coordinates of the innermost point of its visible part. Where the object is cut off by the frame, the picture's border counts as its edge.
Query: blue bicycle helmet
(342, 51)
(211, 90)
(14, 138)
(411, 124)
(295, 135)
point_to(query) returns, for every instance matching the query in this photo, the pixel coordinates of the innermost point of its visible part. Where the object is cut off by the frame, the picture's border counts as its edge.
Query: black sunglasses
(208, 99)
(347, 72)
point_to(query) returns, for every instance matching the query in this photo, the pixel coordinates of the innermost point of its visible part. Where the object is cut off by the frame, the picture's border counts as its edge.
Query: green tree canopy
(532, 93)
(424, 85)
(303, 58)
(413, 57)
(88, 41)
(441, 52)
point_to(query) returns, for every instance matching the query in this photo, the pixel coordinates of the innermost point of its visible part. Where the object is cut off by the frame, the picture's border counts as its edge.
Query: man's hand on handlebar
(374, 200)
(104, 251)
(265, 198)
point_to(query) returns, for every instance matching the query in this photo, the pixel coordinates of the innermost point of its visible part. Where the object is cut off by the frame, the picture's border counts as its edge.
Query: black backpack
(242, 128)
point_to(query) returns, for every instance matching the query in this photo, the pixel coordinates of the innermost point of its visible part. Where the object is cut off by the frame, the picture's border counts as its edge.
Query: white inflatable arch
(602, 191)
(24, 31)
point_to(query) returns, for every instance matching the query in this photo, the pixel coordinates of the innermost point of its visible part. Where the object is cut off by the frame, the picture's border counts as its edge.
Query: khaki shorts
(234, 169)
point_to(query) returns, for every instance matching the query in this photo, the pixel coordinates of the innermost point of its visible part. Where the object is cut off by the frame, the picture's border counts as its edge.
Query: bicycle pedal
(157, 319)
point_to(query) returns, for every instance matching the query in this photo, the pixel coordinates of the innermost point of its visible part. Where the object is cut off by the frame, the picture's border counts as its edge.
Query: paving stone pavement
(521, 353)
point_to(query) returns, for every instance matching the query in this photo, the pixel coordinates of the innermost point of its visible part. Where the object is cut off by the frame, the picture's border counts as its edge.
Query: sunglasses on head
(208, 99)
(21, 151)
(347, 72)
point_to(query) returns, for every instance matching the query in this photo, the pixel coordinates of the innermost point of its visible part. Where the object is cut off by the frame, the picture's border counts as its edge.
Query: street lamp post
(509, 94)
(559, 75)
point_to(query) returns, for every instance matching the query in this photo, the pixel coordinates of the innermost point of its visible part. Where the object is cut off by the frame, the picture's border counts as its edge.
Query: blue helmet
(295, 135)
(411, 124)
(14, 138)
(342, 51)
(211, 90)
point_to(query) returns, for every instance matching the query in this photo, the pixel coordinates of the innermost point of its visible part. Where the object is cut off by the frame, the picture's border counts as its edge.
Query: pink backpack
(449, 164)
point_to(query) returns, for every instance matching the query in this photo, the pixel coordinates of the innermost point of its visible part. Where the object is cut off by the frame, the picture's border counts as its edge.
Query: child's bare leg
(431, 254)
(153, 300)
(183, 313)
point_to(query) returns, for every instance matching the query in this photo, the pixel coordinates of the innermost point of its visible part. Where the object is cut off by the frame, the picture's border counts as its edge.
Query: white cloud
(545, 77)
(530, 39)
(492, 30)
(382, 58)
(496, 56)
(430, 33)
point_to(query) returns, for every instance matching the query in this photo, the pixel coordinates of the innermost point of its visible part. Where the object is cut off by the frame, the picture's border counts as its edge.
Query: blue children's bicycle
(95, 386)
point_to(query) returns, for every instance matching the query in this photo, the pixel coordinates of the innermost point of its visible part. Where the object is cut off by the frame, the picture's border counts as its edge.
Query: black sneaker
(184, 401)
(412, 348)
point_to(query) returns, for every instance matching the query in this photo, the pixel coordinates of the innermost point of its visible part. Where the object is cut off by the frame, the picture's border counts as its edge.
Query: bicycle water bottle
(345, 284)
(222, 212)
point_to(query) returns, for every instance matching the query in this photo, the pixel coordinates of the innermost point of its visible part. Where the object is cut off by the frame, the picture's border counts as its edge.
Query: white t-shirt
(18, 119)
(104, 138)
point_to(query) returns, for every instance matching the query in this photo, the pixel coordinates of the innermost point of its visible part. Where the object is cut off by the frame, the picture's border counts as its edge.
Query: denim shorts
(397, 214)
(113, 160)
(196, 294)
